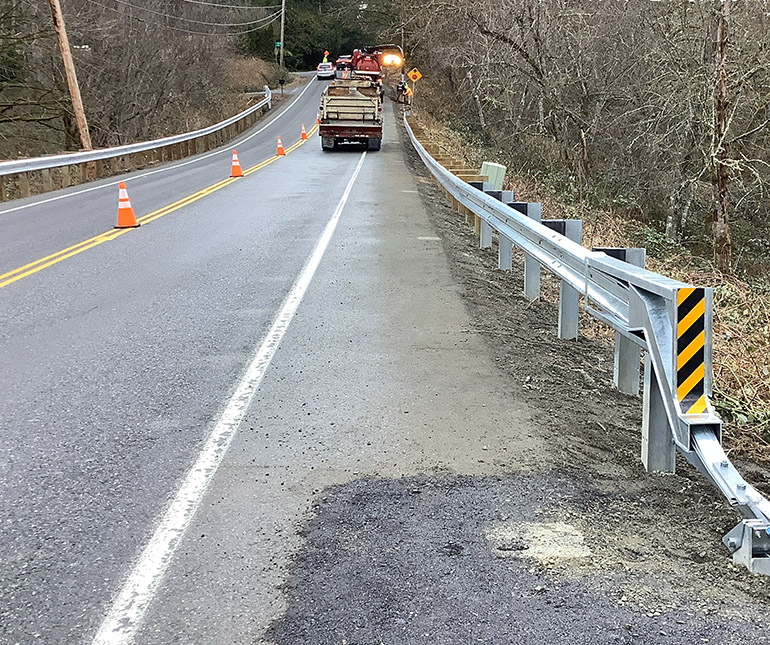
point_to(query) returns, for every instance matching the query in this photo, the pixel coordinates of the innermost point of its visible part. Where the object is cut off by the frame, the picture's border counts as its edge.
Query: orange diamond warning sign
(415, 75)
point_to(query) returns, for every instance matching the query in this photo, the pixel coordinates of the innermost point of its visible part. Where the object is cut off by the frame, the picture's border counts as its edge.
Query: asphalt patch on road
(424, 560)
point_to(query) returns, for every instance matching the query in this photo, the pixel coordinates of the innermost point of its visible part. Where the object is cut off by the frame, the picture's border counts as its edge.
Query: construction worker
(326, 57)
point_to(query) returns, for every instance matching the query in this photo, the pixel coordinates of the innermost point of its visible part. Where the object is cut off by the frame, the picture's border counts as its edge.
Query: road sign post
(414, 75)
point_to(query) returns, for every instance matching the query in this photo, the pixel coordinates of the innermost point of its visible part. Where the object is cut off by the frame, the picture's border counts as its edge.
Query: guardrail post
(658, 448)
(24, 184)
(534, 211)
(505, 196)
(485, 236)
(628, 355)
(65, 177)
(2, 189)
(569, 298)
(628, 360)
(47, 184)
(504, 253)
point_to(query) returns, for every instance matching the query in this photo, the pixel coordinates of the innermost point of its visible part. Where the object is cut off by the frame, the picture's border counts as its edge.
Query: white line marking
(408, 191)
(428, 238)
(225, 149)
(128, 608)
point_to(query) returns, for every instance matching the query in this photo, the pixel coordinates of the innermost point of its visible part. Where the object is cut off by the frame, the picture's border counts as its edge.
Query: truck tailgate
(351, 128)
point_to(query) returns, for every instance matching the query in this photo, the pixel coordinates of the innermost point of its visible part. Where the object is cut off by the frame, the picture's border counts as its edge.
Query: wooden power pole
(72, 79)
(283, 24)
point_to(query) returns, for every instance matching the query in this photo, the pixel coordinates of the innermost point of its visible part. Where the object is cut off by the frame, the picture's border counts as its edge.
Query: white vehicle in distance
(326, 70)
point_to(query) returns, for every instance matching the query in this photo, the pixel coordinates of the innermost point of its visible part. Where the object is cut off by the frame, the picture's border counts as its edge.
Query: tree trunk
(722, 244)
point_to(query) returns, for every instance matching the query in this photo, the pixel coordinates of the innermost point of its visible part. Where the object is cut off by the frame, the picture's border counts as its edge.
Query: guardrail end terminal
(749, 544)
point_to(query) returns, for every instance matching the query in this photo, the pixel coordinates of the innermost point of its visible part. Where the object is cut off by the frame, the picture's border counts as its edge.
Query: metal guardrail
(177, 146)
(670, 320)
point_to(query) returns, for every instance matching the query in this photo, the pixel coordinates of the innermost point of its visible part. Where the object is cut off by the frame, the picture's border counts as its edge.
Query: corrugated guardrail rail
(670, 320)
(15, 175)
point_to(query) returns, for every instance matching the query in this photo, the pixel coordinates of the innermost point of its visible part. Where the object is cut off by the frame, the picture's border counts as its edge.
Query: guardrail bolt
(742, 486)
(724, 463)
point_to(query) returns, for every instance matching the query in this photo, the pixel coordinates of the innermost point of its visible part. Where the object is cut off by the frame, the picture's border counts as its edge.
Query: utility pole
(72, 79)
(283, 23)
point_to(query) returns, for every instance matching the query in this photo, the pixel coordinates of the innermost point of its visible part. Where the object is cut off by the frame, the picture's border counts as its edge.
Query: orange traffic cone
(317, 119)
(126, 217)
(279, 150)
(304, 133)
(235, 168)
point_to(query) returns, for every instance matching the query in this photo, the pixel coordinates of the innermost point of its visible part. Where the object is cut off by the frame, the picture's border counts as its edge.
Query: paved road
(115, 363)
(119, 364)
(37, 226)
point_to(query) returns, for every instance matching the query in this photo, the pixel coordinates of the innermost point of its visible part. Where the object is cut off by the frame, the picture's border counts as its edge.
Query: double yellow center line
(49, 260)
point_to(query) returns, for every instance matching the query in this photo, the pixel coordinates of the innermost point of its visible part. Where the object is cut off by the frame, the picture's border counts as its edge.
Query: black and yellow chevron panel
(690, 350)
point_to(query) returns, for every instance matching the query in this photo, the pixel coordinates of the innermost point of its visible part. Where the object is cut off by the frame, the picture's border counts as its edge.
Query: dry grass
(741, 310)
(250, 74)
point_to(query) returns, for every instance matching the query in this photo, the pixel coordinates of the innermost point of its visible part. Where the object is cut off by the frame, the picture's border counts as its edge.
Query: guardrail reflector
(690, 350)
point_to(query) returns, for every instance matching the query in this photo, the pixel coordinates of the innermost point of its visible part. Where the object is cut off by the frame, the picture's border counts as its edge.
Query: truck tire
(327, 143)
(374, 144)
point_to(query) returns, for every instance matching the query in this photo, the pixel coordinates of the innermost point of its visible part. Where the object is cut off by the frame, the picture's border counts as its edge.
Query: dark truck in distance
(351, 111)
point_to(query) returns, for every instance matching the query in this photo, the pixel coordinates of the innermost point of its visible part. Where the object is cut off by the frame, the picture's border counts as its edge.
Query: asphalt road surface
(262, 418)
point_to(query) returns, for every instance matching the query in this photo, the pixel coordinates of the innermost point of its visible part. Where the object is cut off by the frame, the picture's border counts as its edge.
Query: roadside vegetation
(146, 69)
(150, 68)
(648, 120)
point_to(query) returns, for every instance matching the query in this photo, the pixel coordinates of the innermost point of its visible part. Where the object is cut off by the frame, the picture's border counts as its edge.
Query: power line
(233, 6)
(272, 18)
(198, 22)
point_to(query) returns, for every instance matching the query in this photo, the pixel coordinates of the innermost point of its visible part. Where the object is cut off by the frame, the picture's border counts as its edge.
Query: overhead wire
(233, 6)
(272, 18)
(198, 22)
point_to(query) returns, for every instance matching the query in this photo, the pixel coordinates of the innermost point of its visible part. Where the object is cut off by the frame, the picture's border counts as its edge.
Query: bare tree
(719, 152)
(616, 100)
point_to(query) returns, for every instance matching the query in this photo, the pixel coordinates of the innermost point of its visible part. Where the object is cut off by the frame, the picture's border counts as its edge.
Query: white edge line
(129, 606)
(225, 149)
